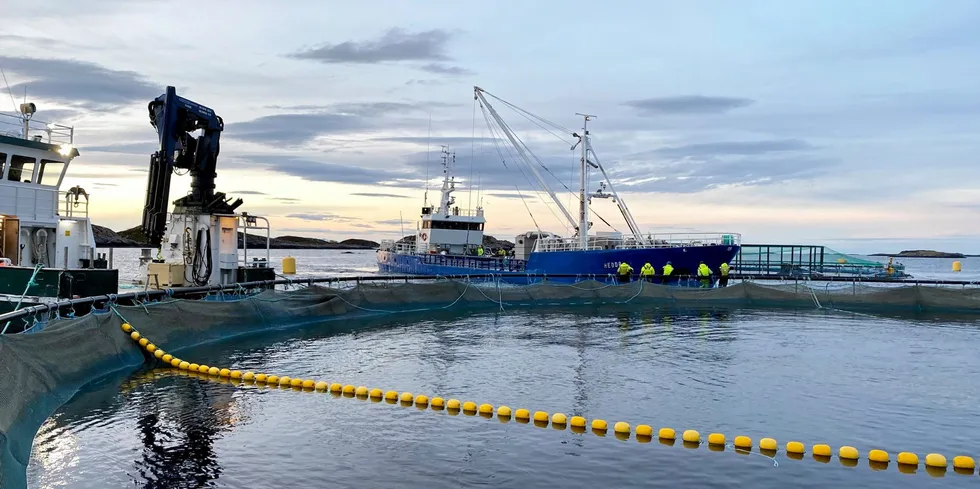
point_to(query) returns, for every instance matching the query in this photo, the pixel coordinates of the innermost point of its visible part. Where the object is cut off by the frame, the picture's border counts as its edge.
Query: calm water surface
(808, 376)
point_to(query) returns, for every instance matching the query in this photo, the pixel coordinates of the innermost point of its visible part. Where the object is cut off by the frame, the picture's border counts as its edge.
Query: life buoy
(424, 236)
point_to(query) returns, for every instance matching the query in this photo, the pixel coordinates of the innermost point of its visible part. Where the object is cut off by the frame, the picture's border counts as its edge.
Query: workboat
(449, 240)
(47, 245)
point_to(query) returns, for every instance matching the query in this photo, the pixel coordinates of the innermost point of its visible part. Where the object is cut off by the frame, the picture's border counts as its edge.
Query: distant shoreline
(923, 254)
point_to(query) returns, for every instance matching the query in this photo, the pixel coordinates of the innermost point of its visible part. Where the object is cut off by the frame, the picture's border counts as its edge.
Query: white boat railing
(397, 246)
(669, 240)
(13, 125)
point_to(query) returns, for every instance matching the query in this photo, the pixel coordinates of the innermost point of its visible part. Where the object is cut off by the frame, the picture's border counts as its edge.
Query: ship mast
(448, 181)
(583, 209)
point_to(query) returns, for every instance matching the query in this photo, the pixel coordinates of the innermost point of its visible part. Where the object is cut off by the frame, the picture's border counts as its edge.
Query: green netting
(42, 370)
(812, 261)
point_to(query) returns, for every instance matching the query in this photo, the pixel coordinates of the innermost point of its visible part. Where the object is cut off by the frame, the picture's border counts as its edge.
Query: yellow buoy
(322, 386)
(469, 406)
(848, 453)
(299, 383)
(957, 266)
(822, 450)
(577, 422)
(272, 380)
(261, 378)
(522, 414)
(768, 444)
(599, 425)
(879, 456)
(503, 412)
(175, 362)
(559, 418)
(361, 391)
(795, 447)
(376, 393)
(214, 371)
(716, 439)
(349, 389)
(907, 458)
(453, 404)
(405, 397)
(644, 430)
(193, 366)
(143, 342)
(284, 380)
(126, 327)
(691, 436)
(621, 427)
(203, 369)
(540, 416)
(935, 460)
(437, 403)
(390, 395)
(224, 372)
(159, 353)
(288, 265)
(486, 409)
(167, 358)
(134, 335)
(964, 462)
(667, 433)
(235, 374)
(248, 376)
(422, 399)
(743, 442)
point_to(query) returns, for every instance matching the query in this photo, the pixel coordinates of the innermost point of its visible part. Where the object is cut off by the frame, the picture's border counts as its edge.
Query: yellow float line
(848, 455)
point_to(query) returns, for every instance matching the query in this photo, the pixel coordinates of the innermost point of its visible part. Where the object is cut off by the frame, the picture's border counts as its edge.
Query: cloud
(441, 69)
(362, 225)
(435, 141)
(320, 171)
(80, 83)
(141, 148)
(688, 104)
(319, 217)
(381, 195)
(515, 196)
(394, 222)
(423, 82)
(395, 45)
(247, 192)
(744, 148)
(288, 200)
(292, 129)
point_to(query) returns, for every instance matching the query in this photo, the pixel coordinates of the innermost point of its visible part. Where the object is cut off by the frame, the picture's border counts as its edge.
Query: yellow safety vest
(625, 269)
(668, 269)
(647, 270)
(704, 271)
(724, 269)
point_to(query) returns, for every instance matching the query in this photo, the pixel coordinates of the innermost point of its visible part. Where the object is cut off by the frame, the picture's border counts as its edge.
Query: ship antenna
(9, 90)
(425, 201)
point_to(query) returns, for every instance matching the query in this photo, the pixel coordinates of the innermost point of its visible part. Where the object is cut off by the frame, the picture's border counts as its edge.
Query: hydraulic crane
(189, 136)
(175, 118)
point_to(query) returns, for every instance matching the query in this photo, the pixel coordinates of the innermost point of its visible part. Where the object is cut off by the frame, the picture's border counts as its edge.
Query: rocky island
(133, 238)
(922, 254)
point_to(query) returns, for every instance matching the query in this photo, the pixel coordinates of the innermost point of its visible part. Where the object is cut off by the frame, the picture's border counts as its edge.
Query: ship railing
(663, 240)
(457, 212)
(13, 125)
(493, 263)
(398, 246)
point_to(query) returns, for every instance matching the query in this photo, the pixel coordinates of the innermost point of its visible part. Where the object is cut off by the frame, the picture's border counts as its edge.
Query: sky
(854, 125)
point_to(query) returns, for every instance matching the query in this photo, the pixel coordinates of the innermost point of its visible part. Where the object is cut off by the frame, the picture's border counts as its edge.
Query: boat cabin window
(50, 172)
(3, 163)
(21, 168)
(454, 225)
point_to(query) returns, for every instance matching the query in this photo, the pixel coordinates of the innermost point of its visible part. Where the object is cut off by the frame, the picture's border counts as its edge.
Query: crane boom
(175, 119)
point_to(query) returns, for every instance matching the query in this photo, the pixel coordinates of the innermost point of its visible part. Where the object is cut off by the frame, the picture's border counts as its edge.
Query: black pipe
(190, 291)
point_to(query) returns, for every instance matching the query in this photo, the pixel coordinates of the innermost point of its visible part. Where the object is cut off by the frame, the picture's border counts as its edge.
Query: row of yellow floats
(848, 455)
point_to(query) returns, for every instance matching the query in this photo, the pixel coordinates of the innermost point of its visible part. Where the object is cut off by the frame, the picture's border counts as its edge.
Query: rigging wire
(469, 197)
(9, 90)
(503, 161)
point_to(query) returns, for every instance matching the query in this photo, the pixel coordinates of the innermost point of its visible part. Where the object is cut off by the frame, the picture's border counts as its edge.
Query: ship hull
(592, 263)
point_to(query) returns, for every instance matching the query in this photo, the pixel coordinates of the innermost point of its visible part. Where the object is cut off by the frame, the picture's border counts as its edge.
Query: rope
(453, 303)
(20, 300)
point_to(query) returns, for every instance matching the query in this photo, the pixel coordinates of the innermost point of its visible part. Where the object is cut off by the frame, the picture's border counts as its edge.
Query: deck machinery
(198, 243)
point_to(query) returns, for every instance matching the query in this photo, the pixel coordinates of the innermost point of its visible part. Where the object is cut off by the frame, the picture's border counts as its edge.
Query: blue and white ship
(449, 238)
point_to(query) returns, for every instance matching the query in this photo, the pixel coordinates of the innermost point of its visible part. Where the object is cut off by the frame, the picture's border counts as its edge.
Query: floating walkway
(907, 462)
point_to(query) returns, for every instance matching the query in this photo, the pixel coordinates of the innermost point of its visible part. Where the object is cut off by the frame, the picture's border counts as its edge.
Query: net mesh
(42, 370)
